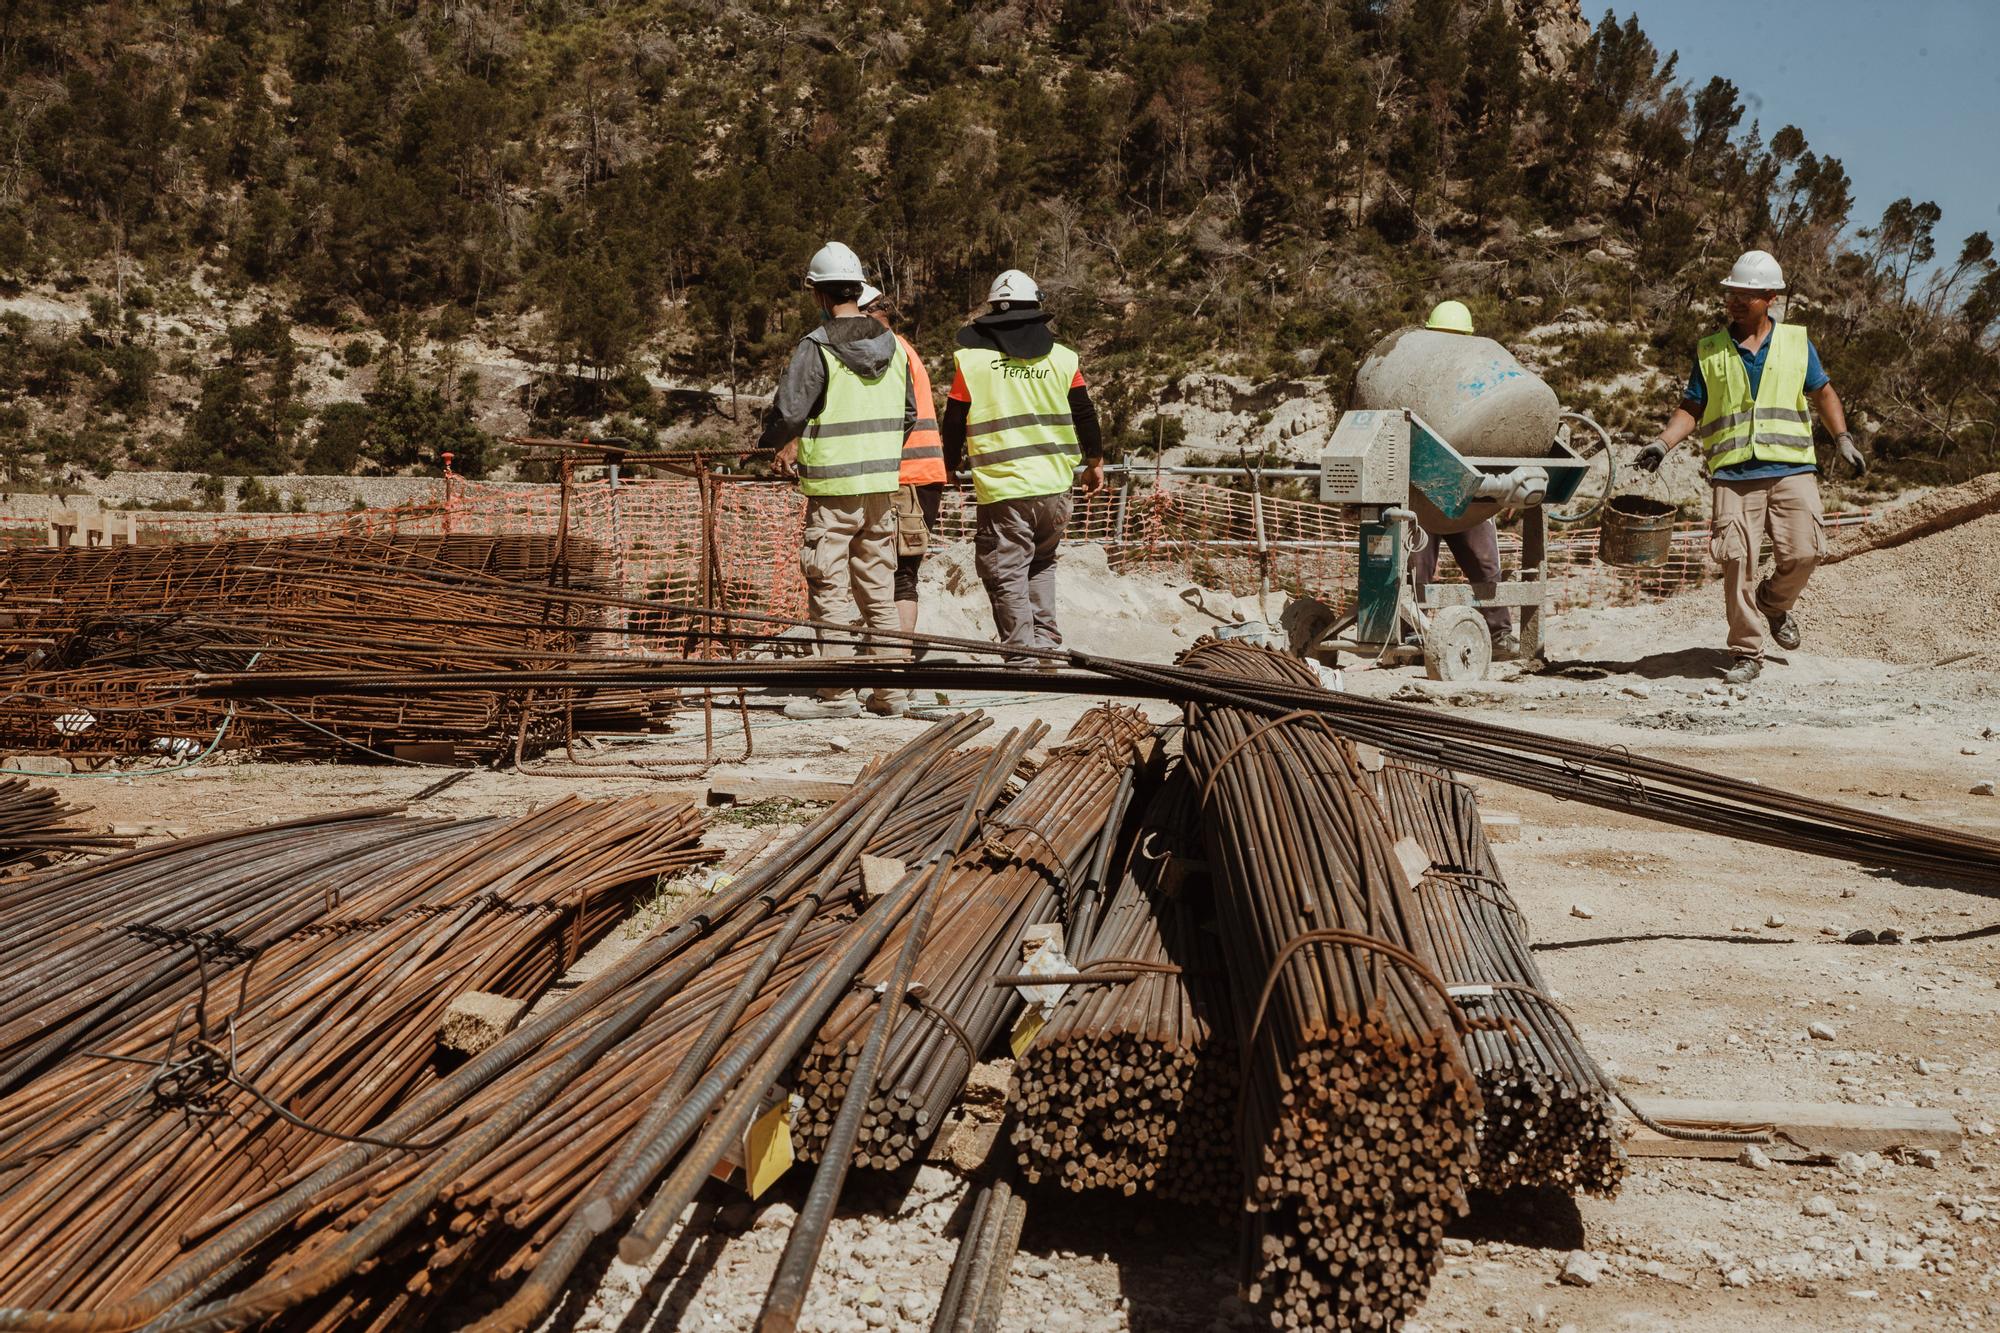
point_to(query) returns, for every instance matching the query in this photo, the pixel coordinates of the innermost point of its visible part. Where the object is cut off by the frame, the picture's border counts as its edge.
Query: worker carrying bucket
(1746, 400)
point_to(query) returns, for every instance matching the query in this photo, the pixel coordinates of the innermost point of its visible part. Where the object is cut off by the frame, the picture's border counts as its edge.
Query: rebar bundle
(1546, 1114)
(208, 1089)
(34, 825)
(84, 949)
(516, 1209)
(1356, 1129)
(1030, 859)
(515, 1161)
(103, 642)
(1132, 1083)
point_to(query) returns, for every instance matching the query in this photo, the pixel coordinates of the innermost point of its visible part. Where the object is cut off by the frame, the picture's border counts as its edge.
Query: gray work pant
(1015, 554)
(1477, 551)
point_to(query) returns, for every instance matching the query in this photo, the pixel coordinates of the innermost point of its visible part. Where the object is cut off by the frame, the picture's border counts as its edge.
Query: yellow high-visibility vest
(855, 445)
(1772, 427)
(1018, 434)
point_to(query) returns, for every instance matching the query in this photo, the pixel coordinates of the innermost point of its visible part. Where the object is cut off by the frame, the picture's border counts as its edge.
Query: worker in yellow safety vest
(1020, 414)
(1746, 401)
(920, 481)
(837, 423)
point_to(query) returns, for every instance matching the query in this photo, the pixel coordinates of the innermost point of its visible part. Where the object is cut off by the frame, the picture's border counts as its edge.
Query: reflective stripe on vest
(923, 448)
(855, 445)
(1018, 433)
(1774, 427)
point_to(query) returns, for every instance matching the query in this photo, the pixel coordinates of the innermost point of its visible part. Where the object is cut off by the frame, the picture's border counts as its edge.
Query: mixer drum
(1470, 390)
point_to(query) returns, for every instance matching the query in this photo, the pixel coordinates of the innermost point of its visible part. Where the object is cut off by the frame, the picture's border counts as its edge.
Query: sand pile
(1918, 602)
(1101, 611)
(1920, 515)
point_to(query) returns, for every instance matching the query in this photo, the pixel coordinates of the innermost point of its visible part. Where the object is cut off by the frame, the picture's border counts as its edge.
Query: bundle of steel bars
(279, 1046)
(83, 949)
(1546, 1117)
(103, 639)
(1358, 1107)
(515, 1161)
(1029, 859)
(35, 825)
(1131, 1085)
(521, 1202)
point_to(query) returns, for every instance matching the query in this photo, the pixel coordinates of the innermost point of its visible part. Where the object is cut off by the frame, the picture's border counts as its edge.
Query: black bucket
(1636, 531)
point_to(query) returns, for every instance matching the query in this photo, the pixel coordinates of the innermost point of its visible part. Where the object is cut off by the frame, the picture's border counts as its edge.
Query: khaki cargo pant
(848, 556)
(1014, 551)
(1788, 509)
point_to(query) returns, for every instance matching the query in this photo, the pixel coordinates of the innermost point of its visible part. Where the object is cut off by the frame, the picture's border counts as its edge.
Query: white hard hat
(870, 294)
(1014, 285)
(834, 262)
(1756, 271)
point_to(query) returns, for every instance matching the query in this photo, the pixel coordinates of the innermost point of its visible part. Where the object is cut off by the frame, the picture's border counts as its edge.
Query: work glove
(1850, 453)
(1651, 457)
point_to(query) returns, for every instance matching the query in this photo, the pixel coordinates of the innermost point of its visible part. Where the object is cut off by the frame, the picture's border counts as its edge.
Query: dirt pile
(1922, 515)
(1918, 602)
(1099, 609)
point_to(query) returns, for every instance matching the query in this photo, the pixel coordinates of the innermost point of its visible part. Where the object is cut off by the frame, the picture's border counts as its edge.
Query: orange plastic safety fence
(733, 542)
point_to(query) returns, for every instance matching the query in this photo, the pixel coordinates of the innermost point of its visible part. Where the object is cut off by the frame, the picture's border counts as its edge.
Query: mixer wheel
(1457, 645)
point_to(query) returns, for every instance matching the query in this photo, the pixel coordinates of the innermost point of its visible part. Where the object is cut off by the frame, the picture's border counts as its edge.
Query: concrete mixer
(1448, 430)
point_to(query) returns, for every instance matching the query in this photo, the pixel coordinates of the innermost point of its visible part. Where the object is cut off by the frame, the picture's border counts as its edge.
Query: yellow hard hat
(1450, 317)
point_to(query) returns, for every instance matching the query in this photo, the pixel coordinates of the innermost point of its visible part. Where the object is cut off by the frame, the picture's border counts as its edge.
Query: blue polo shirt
(1756, 469)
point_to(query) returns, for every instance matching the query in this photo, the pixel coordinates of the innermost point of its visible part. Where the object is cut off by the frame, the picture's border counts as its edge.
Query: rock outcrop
(1554, 29)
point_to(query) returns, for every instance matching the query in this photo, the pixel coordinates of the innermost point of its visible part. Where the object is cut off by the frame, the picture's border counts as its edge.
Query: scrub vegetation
(253, 199)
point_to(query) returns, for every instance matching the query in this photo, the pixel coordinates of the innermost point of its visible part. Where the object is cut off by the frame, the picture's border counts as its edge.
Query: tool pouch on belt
(913, 537)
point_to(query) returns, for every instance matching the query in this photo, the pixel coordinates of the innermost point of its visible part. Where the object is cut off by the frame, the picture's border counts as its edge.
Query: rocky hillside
(241, 236)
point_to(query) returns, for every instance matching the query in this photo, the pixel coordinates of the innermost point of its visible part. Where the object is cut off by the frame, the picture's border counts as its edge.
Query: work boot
(1784, 625)
(1506, 646)
(888, 703)
(823, 707)
(1746, 670)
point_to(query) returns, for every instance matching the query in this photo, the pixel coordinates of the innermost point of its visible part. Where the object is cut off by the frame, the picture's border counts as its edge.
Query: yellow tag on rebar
(1026, 1028)
(767, 1148)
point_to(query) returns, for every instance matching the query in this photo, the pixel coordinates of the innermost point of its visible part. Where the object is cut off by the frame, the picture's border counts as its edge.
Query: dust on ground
(1686, 1245)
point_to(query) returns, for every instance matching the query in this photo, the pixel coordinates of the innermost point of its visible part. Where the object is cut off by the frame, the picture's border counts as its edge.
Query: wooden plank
(748, 791)
(1817, 1127)
(425, 752)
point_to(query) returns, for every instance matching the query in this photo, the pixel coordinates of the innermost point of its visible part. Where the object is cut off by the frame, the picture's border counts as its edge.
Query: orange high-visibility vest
(923, 447)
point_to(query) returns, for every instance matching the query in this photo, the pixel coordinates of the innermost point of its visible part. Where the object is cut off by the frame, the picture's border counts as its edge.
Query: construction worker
(1747, 398)
(844, 406)
(1477, 549)
(1018, 411)
(920, 482)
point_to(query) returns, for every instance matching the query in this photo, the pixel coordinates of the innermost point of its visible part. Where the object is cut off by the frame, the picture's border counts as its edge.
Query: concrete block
(477, 1020)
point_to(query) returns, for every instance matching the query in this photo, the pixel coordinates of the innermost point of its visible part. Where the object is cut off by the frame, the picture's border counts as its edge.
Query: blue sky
(1905, 94)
